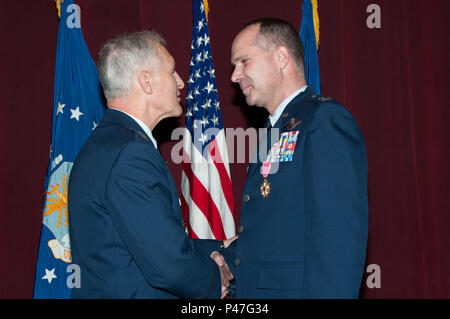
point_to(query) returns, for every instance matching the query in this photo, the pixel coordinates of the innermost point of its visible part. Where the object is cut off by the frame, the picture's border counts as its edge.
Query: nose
(236, 75)
(180, 83)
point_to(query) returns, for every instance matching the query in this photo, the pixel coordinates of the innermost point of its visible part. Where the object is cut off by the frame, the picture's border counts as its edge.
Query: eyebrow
(237, 59)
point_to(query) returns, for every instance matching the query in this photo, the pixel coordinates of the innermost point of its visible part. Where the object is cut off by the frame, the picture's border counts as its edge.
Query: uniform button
(246, 197)
(240, 229)
(237, 261)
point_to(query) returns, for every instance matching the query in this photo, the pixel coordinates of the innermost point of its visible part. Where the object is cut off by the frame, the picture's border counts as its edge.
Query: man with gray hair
(126, 226)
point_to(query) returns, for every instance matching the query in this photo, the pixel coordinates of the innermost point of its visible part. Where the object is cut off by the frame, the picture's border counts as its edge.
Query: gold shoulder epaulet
(325, 98)
(320, 98)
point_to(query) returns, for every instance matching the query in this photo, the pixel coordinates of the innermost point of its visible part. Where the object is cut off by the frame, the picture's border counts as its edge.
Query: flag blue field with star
(308, 36)
(78, 107)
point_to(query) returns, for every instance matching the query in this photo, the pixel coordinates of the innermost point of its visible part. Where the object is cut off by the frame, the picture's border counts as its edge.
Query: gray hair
(121, 58)
(275, 32)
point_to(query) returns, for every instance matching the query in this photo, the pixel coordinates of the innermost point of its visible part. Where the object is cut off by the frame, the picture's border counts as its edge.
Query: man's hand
(227, 242)
(225, 274)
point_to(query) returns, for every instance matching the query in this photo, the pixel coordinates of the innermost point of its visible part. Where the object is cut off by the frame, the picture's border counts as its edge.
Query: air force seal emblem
(56, 216)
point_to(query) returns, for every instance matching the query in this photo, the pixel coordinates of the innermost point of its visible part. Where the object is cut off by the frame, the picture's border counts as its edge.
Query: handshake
(225, 273)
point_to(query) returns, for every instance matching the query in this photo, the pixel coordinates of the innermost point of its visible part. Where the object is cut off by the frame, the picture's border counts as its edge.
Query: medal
(282, 151)
(265, 170)
(265, 188)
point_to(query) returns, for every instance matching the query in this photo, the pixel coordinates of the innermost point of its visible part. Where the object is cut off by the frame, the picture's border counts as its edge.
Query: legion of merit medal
(265, 186)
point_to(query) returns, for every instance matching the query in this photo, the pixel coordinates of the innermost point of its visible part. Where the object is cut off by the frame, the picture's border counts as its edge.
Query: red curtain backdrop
(393, 79)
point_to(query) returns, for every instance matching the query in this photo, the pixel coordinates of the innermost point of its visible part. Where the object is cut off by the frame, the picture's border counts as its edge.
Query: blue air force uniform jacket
(126, 228)
(307, 238)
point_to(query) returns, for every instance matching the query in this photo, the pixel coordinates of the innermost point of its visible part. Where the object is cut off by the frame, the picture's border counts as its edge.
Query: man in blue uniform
(304, 221)
(126, 228)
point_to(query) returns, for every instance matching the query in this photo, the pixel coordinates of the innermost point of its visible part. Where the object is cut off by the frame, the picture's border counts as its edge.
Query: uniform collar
(140, 124)
(291, 109)
(279, 110)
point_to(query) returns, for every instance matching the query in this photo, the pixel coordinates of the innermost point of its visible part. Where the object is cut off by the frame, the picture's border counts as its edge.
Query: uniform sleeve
(207, 246)
(336, 204)
(139, 202)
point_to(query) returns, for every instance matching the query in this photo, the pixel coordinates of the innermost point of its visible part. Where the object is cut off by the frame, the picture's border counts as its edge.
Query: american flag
(207, 203)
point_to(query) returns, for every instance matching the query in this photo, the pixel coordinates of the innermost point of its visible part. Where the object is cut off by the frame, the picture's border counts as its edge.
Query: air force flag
(78, 107)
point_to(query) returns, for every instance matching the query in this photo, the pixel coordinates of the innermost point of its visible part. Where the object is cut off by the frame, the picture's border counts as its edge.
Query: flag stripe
(199, 224)
(221, 143)
(202, 199)
(224, 178)
(185, 206)
(210, 177)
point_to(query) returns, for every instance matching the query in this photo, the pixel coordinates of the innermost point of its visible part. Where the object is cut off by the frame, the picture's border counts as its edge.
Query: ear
(145, 81)
(282, 56)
